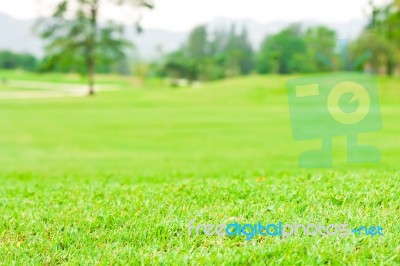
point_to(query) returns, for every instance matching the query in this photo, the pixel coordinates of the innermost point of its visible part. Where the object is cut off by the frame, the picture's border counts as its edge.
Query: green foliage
(75, 40)
(72, 43)
(321, 47)
(295, 51)
(210, 57)
(381, 50)
(197, 45)
(382, 37)
(12, 60)
(77, 43)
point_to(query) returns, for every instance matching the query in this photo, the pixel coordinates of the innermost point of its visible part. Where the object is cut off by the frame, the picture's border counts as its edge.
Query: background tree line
(204, 57)
(226, 53)
(382, 38)
(82, 45)
(12, 60)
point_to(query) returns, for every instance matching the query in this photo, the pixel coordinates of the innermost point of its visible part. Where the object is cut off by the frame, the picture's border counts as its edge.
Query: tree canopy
(76, 40)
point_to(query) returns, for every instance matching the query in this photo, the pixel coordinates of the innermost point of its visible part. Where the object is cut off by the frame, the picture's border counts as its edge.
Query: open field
(116, 178)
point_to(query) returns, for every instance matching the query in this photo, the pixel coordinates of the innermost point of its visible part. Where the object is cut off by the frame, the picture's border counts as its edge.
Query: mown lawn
(116, 179)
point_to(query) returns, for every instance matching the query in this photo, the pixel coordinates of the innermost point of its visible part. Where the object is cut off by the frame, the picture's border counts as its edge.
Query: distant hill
(153, 42)
(16, 35)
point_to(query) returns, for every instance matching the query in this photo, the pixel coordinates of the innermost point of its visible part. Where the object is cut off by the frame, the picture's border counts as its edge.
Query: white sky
(182, 15)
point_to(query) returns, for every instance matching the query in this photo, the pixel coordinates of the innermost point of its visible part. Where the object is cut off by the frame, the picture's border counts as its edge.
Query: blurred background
(188, 42)
(183, 86)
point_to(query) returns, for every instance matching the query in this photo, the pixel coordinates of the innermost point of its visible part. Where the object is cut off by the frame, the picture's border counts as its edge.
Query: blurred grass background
(230, 125)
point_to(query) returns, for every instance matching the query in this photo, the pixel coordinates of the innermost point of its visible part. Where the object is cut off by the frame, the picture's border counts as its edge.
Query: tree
(284, 52)
(239, 53)
(197, 45)
(178, 65)
(384, 25)
(321, 44)
(382, 51)
(294, 50)
(197, 50)
(224, 54)
(75, 39)
(11, 60)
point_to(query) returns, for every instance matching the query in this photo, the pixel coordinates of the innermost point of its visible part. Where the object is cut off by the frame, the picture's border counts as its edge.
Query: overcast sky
(182, 15)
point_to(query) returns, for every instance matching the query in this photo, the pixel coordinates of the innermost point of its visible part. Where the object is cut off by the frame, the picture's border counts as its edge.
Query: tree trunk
(91, 60)
(389, 67)
(91, 73)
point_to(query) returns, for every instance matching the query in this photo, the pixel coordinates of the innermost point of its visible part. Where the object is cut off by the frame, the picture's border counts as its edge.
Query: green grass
(115, 179)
